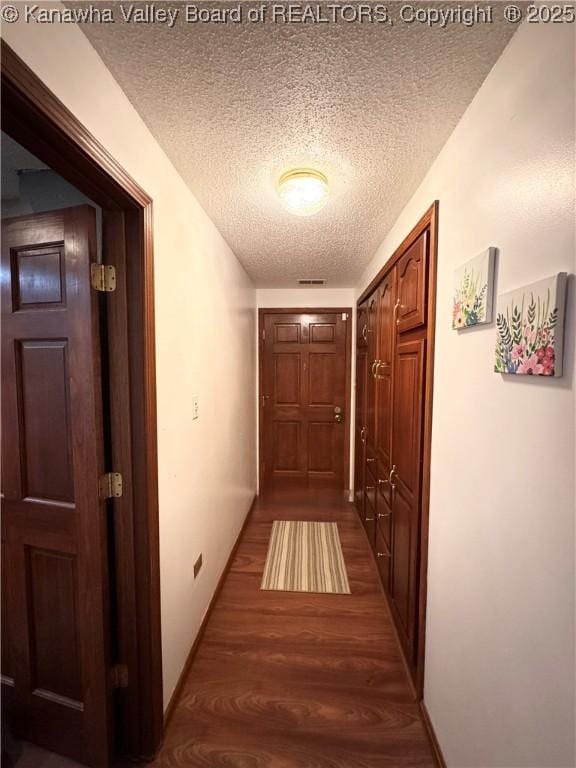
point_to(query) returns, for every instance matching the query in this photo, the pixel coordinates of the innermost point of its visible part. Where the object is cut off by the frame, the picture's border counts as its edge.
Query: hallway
(251, 245)
(297, 680)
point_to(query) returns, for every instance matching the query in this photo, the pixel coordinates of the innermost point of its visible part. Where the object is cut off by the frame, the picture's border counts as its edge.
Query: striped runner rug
(305, 557)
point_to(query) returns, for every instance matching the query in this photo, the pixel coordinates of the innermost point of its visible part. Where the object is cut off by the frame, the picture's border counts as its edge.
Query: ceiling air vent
(312, 281)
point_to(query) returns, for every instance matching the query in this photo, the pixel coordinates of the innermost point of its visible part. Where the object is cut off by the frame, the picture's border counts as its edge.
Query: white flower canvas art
(473, 291)
(530, 328)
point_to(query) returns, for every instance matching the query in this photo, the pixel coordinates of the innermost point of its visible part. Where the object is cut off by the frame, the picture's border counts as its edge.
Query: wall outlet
(195, 407)
(198, 565)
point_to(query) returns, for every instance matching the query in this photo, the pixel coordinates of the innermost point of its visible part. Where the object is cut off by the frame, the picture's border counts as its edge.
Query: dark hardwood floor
(297, 680)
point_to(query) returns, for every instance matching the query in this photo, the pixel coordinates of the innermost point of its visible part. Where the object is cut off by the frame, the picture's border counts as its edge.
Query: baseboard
(432, 736)
(186, 668)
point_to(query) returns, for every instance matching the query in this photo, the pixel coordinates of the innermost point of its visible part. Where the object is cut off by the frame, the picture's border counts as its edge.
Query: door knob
(338, 417)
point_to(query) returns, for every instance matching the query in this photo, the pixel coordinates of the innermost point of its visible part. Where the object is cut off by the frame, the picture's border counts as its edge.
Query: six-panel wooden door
(390, 406)
(55, 673)
(304, 398)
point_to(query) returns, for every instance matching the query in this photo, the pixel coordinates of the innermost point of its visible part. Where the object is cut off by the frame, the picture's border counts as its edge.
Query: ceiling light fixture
(303, 191)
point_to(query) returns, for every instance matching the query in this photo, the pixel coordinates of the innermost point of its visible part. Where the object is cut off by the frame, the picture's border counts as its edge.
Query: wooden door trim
(38, 120)
(428, 221)
(348, 362)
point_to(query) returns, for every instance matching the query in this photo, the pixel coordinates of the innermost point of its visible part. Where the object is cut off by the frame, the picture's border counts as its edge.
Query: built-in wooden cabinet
(393, 384)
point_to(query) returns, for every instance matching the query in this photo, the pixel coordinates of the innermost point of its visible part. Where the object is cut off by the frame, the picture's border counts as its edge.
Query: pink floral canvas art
(529, 329)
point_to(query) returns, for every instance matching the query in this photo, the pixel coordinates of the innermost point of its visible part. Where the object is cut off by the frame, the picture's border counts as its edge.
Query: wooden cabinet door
(360, 429)
(386, 341)
(55, 673)
(304, 394)
(412, 284)
(372, 349)
(406, 452)
(362, 326)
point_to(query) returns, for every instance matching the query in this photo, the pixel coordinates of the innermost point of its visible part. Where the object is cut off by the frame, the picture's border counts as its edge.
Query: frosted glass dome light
(303, 191)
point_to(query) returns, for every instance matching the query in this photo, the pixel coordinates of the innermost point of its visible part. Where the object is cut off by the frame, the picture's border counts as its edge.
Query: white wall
(500, 645)
(204, 300)
(305, 297)
(280, 298)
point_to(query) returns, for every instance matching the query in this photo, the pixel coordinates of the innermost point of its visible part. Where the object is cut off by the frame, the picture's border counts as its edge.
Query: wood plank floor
(297, 680)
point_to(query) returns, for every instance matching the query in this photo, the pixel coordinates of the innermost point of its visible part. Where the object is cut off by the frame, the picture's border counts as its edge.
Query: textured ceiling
(235, 105)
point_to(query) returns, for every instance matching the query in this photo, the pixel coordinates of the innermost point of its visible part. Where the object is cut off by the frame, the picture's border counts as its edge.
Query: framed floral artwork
(530, 328)
(473, 291)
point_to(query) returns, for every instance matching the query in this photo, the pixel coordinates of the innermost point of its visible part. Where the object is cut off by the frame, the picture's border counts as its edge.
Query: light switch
(195, 407)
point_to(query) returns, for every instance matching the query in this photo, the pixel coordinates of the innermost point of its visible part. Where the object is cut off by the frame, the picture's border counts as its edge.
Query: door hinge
(103, 277)
(119, 676)
(263, 334)
(110, 485)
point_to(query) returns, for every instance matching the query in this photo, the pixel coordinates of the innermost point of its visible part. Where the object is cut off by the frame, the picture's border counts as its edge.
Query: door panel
(362, 326)
(403, 595)
(360, 425)
(383, 556)
(46, 452)
(384, 518)
(53, 522)
(412, 285)
(386, 337)
(370, 507)
(408, 404)
(288, 440)
(372, 329)
(321, 438)
(286, 333)
(406, 450)
(322, 374)
(304, 397)
(287, 385)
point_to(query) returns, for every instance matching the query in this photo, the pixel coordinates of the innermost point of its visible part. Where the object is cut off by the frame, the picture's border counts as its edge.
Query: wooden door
(408, 405)
(304, 397)
(360, 421)
(386, 344)
(55, 673)
(372, 349)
